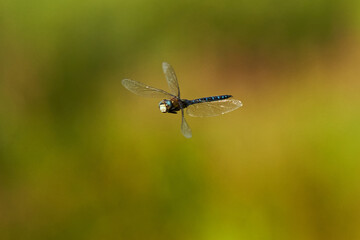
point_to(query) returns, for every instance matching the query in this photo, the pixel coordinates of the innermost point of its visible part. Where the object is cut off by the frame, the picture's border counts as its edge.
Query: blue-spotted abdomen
(209, 99)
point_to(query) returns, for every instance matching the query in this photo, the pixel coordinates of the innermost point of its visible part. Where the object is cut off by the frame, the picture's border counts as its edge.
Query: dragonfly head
(165, 106)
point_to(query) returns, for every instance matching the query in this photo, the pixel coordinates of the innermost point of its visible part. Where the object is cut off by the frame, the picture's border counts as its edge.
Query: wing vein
(209, 109)
(143, 89)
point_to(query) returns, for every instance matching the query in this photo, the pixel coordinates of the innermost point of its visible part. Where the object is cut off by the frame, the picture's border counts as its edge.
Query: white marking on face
(162, 108)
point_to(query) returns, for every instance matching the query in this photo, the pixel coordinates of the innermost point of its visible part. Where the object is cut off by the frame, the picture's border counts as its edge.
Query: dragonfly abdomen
(209, 99)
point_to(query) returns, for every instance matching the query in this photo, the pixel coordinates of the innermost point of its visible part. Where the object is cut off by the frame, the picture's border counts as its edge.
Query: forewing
(144, 90)
(171, 79)
(210, 109)
(185, 129)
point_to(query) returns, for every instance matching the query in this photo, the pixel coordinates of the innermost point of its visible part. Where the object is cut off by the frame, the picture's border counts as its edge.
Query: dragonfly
(173, 103)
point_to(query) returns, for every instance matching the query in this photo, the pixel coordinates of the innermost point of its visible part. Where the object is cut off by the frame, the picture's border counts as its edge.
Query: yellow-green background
(83, 158)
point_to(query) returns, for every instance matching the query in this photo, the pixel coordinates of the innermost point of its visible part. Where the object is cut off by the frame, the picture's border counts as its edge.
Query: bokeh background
(83, 158)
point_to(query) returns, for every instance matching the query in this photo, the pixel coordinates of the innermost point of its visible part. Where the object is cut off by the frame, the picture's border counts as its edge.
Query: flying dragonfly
(172, 103)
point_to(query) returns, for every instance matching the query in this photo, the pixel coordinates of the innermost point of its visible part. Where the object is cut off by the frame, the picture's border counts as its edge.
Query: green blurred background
(83, 158)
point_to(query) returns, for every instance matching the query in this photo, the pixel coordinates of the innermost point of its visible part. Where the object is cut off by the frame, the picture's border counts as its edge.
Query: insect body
(172, 103)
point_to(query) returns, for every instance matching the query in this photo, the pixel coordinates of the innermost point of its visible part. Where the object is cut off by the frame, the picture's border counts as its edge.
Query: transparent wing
(171, 79)
(185, 129)
(210, 109)
(144, 90)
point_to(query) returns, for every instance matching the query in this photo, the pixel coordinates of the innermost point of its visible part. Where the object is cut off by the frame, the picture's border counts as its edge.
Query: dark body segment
(206, 99)
(176, 105)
